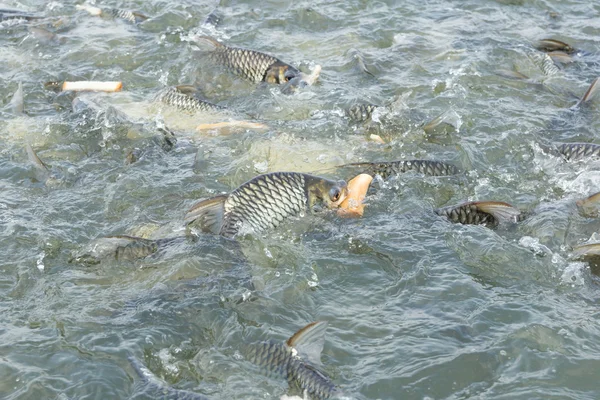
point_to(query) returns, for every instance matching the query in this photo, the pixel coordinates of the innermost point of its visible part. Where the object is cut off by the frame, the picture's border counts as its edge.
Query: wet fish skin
(265, 202)
(120, 247)
(159, 389)
(488, 213)
(551, 45)
(361, 112)
(252, 65)
(285, 360)
(425, 167)
(184, 98)
(133, 17)
(577, 151)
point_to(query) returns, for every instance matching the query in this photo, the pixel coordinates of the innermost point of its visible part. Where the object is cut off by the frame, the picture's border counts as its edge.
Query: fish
(45, 36)
(590, 205)
(158, 389)
(589, 93)
(184, 98)
(296, 360)
(552, 45)
(6, 15)
(301, 80)
(386, 169)
(488, 213)
(249, 64)
(578, 151)
(17, 104)
(589, 253)
(130, 16)
(121, 248)
(361, 112)
(359, 59)
(264, 202)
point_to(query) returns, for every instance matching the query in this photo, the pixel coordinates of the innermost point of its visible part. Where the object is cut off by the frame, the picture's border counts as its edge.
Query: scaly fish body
(252, 65)
(425, 167)
(157, 388)
(133, 17)
(122, 248)
(265, 202)
(577, 151)
(280, 360)
(361, 112)
(183, 99)
(290, 360)
(488, 213)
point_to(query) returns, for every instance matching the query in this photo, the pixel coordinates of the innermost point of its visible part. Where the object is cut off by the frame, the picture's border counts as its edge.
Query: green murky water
(418, 308)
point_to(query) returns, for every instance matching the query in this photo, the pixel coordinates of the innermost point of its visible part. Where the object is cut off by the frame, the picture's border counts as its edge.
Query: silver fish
(488, 213)
(265, 202)
(361, 112)
(159, 389)
(577, 151)
(184, 98)
(389, 168)
(296, 360)
(545, 63)
(252, 65)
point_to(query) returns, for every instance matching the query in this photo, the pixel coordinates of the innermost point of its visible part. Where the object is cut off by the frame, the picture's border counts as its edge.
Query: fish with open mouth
(488, 213)
(296, 360)
(250, 64)
(390, 168)
(265, 202)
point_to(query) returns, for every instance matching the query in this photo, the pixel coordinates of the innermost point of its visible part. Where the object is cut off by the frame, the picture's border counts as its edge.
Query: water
(418, 308)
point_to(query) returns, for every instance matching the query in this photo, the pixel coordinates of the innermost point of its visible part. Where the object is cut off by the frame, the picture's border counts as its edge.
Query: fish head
(280, 73)
(297, 82)
(330, 193)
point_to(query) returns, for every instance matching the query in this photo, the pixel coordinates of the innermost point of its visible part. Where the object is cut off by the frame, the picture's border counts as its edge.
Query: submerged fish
(250, 64)
(159, 389)
(577, 151)
(552, 45)
(361, 112)
(184, 98)
(488, 213)
(6, 15)
(265, 202)
(122, 248)
(296, 360)
(389, 168)
(590, 205)
(359, 60)
(133, 17)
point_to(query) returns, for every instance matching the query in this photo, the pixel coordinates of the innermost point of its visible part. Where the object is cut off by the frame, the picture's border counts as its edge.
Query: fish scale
(577, 151)
(184, 102)
(361, 112)
(425, 167)
(467, 214)
(277, 359)
(249, 64)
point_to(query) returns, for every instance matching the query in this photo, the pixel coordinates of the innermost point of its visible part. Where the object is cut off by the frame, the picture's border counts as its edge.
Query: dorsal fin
(309, 341)
(589, 93)
(208, 214)
(34, 159)
(189, 90)
(500, 210)
(207, 41)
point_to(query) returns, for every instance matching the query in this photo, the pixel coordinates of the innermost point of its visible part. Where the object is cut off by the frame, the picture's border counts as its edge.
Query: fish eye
(335, 193)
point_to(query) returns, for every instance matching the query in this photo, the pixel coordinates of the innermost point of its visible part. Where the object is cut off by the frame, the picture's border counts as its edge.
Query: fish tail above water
(296, 360)
(425, 167)
(17, 103)
(208, 214)
(159, 389)
(489, 213)
(252, 65)
(578, 151)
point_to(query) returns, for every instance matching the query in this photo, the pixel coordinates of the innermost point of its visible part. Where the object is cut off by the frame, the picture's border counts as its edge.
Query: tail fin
(500, 210)
(589, 94)
(309, 341)
(208, 214)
